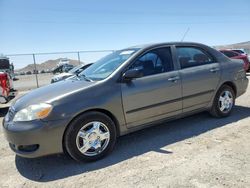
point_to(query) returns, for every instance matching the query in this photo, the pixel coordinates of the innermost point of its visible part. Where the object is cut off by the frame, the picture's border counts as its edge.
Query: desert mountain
(244, 45)
(50, 64)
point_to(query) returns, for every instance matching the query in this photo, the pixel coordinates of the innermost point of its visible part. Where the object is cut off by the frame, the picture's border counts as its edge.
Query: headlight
(32, 112)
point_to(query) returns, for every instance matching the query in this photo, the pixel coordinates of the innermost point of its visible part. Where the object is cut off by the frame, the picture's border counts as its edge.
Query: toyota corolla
(125, 91)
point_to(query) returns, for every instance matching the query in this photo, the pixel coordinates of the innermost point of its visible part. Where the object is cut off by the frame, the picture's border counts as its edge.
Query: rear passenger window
(155, 62)
(191, 56)
(229, 53)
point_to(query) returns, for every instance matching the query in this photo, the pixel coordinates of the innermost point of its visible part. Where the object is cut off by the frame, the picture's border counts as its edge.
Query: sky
(30, 26)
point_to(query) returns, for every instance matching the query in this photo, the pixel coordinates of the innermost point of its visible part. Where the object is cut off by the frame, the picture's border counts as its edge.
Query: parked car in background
(62, 68)
(76, 70)
(240, 51)
(28, 73)
(125, 91)
(235, 55)
(6, 66)
(63, 61)
(7, 91)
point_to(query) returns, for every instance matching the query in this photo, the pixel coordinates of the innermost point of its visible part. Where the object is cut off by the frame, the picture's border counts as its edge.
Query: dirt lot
(197, 151)
(28, 82)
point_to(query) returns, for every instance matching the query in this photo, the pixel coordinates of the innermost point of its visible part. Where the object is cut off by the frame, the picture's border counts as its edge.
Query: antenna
(185, 34)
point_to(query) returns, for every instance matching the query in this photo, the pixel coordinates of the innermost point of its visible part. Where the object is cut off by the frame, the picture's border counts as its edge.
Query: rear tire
(90, 137)
(223, 102)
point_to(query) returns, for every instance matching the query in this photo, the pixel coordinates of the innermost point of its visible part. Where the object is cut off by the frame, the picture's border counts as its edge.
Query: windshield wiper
(85, 77)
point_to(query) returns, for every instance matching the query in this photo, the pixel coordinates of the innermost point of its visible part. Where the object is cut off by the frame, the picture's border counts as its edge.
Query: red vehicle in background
(235, 55)
(4, 87)
(7, 92)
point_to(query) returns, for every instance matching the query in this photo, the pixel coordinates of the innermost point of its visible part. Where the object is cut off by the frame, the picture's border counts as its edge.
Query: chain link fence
(35, 70)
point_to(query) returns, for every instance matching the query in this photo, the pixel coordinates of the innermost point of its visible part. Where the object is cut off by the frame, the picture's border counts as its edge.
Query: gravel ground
(197, 151)
(28, 82)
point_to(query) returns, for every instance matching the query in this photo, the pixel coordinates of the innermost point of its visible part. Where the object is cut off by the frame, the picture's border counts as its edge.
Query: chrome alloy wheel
(93, 138)
(226, 101)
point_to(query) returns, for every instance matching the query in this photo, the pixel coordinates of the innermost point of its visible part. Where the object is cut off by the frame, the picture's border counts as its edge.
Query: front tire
(223, 102)
(90, 137)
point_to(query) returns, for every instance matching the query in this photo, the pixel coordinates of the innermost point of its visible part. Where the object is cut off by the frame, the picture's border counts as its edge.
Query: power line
(127, 23)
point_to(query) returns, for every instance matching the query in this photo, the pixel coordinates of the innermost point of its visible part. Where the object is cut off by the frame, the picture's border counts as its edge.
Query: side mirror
(131, 74)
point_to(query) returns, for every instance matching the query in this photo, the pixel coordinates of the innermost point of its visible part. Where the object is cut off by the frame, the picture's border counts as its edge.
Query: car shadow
(151, 139)
(3, 111)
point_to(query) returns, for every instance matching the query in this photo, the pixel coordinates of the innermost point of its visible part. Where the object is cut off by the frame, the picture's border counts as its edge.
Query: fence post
(78, 55)
(34, 61)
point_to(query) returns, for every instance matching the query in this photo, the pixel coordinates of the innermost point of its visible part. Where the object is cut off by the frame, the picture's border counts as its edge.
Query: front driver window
(155, 62)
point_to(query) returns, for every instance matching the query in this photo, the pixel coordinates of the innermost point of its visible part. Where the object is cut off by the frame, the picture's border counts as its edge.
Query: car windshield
(107, 65)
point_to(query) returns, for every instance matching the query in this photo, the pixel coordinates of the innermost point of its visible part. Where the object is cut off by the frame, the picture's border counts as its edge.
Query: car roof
(166, 43)
(241, 49)
(228, 50)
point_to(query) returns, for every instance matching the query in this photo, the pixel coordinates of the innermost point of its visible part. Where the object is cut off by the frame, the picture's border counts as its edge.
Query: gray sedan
(125, 91)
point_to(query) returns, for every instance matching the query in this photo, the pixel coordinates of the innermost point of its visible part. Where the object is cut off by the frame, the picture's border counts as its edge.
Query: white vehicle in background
(63, 61)
(63, 66)
(76, 70)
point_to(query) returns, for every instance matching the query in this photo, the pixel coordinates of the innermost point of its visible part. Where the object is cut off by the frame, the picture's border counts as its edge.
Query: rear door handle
(214, 69)
(174, 79)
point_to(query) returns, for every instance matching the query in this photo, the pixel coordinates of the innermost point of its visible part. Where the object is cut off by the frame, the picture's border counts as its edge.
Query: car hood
(51, 93)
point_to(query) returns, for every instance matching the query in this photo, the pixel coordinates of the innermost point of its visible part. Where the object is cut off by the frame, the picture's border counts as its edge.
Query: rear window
(4, 64)
(229, 53)
(239, 51)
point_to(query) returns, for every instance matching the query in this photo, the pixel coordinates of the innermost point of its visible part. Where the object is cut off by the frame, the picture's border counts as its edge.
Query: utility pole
(36, 71)
(79, 59)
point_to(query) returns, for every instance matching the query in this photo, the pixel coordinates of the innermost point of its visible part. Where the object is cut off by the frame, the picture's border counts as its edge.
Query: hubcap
(226, 101)
(93, 138)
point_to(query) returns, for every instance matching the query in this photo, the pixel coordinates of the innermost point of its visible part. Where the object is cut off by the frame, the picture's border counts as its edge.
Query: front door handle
(214, 69)
(174, 79)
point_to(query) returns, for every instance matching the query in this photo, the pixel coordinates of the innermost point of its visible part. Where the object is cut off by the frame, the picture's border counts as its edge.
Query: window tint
(154, 62)
(239, 51)
(190, 57)
(230, 53)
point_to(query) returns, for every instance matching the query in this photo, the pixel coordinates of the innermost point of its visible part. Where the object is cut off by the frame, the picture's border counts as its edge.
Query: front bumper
(35, 138)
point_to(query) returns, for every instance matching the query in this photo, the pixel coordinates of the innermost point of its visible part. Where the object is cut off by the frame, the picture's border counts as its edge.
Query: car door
(155, 95)
(200, 74)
